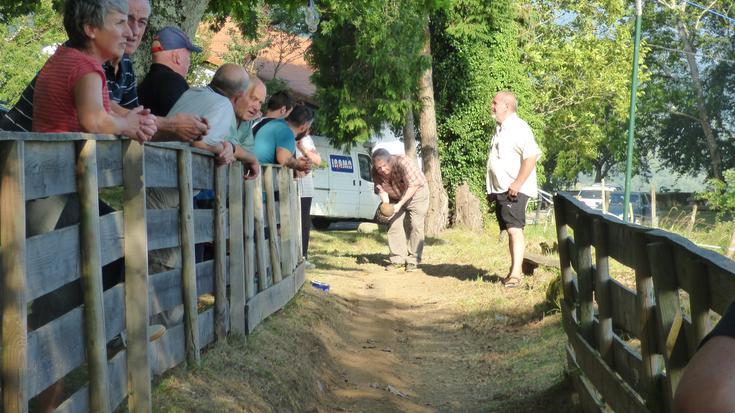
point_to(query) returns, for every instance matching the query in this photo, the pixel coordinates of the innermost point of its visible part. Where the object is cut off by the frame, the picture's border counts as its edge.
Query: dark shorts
(511, 212)
(726, 326)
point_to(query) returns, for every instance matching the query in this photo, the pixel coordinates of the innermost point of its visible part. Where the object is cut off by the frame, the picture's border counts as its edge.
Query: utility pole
(633, 92)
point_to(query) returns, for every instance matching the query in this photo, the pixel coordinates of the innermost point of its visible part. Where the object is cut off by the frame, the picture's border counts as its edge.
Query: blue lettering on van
(341, 163)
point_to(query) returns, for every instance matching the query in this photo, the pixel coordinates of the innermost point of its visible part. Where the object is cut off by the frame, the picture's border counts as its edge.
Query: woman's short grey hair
(80, 13)
(381, 154)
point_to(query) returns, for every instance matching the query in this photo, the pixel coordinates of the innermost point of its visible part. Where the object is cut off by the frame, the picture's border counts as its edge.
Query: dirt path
(402, 349)
(446, 338)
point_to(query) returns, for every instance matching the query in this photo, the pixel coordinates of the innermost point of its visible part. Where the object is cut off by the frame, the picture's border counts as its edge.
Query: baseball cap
(170, 38)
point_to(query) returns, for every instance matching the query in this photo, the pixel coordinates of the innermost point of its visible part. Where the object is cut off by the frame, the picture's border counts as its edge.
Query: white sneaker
(308, 265)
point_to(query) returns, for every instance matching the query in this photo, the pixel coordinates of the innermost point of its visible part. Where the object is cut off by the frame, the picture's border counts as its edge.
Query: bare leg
(517, 245)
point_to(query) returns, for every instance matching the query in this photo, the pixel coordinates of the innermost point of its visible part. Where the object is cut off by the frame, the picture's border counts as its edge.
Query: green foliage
(670, 113)
(476, 54)
(579, 55)
(367, 61)
(21, 55)
(720, 195)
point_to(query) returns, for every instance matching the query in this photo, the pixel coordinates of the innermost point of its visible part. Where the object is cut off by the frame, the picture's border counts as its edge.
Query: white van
(343, 189)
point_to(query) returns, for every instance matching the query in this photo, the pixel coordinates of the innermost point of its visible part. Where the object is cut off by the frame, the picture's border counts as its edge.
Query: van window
(365, 167)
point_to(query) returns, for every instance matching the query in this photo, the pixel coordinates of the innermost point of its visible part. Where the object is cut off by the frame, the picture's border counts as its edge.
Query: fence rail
(628, 348)
(255, 269)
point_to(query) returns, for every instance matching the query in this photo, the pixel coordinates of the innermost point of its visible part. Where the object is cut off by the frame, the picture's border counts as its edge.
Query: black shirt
(121, 89)
(161, 88)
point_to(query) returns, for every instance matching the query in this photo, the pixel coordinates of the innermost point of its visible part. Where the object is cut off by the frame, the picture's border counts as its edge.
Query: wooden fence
(628, 347)
(256, 269)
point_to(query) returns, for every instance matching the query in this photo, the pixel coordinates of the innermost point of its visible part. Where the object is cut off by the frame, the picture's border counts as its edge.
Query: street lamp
(311, 17)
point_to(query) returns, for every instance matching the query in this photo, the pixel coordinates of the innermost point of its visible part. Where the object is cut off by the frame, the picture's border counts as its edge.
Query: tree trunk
(409, 135)
(184, 14)
(702, 115)
(467, 209)
(437, 216)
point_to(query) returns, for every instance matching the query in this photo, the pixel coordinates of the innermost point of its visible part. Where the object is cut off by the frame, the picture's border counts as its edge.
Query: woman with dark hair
(71, 90)
(275, 142)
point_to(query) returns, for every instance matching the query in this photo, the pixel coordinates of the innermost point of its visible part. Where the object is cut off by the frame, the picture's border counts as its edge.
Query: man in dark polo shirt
(165, 81)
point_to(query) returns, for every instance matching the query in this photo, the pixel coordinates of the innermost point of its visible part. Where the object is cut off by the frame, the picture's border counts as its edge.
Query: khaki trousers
(406, 236)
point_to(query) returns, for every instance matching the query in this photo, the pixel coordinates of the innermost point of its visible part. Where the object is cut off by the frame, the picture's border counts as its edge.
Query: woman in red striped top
(71, 91)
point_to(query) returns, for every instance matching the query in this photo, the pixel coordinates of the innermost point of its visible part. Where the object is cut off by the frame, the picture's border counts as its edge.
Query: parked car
(592, 195)
(641, 206)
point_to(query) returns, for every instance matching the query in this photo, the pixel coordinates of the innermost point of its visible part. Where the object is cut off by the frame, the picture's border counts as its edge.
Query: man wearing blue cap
(166, 79)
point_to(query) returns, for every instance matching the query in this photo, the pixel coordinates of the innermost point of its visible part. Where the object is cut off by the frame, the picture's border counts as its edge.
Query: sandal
(511, 282)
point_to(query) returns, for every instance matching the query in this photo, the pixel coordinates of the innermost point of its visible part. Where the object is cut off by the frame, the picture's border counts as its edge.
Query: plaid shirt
(403, 175)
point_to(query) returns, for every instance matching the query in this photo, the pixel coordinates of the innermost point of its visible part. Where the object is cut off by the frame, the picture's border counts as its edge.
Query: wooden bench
(532, 261)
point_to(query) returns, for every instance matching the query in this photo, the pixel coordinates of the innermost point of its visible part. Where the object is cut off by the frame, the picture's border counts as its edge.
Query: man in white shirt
(511, 177)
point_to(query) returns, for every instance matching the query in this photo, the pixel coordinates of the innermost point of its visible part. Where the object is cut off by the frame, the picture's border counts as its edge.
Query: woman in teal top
(275, 142)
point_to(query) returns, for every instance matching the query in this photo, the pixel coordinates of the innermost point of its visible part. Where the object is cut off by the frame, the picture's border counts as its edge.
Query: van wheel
(320, 223)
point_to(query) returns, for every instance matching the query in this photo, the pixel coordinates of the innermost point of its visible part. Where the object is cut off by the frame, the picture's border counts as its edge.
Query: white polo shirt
(513, 141)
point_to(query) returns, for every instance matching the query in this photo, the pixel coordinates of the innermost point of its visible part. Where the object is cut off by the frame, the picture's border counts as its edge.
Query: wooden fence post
(136, 277)
(652, 366)
(286, 212)
(297, 245)
(270, 208)
(699, 292)
(220, 254)
(583, 237)
(13, 264)
(237, 251)
(669, 319)
(260, 233)
(188, 261)
(249, 225)
(91, 275)
(602, 291)
(564, 260)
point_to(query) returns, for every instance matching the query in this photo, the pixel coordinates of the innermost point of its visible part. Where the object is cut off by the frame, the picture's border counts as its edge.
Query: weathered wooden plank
(168, 351)
(299, 276)
(54, 350)
(298, 246)
(89, 235)
(53, 258)
(699, 297)
(653, 365)
(249, 229)
(188, 261)
(109, 163)
(285, 211)
(564, 250)
(237, 251)
(589, 398)
(221, 318)
(203, 164)
(627, 362)
(260, 245)
(203, 228)
(624, 309)
(114, 311)
(570, 213)
(269, 301)
(15, 391)
(670, 334)
(206, 327)
(583, 237)
(619, 246)
(618, 394)
(49, 169)
(116, 373)
(53, 137)
(270, 208)
(161, 167)
(136, 277)
(602, 292)
(163, 227)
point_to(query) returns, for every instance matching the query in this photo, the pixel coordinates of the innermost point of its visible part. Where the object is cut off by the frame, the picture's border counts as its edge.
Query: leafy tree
(580, 55)
(687, 107)
(25, 38)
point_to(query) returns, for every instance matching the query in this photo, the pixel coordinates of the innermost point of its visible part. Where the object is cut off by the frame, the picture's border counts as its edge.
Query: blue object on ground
(320, 285)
